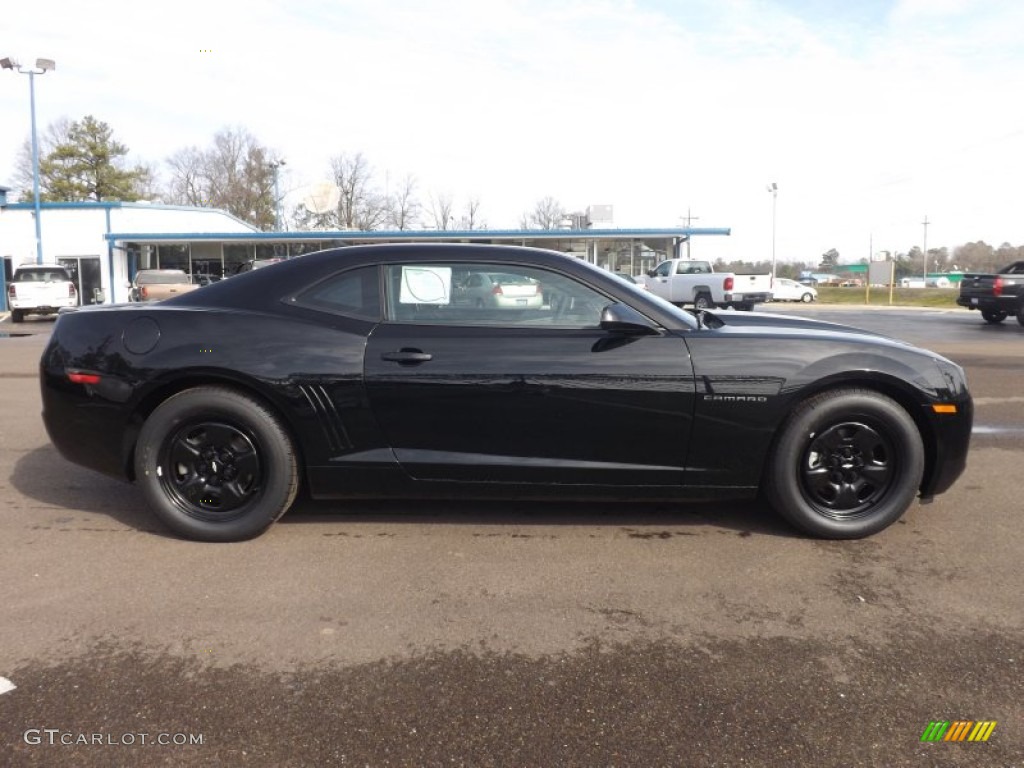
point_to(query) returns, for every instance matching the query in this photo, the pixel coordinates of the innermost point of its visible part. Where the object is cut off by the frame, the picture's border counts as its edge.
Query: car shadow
(45, 477)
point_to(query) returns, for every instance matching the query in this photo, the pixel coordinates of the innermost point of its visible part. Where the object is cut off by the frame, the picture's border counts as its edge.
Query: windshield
(684, 317)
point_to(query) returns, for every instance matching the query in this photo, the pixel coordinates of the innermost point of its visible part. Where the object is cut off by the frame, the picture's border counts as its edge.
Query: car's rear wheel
(17, 316)
(1020, 315)
(703, 301)
(993, 316)
(848, 464)
(216, 465)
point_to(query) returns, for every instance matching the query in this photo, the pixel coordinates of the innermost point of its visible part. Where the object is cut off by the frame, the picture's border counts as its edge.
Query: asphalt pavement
(514, 633)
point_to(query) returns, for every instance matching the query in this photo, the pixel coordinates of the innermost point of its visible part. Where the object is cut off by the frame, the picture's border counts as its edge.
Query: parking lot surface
(514, 633)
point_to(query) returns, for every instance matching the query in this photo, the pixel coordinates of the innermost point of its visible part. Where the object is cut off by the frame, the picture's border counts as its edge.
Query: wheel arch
(896, 389)
(184, 380)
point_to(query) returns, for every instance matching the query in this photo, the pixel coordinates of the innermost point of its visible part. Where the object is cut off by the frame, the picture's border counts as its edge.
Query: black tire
(216, 465)
(745, 307)
(703, 301)
(993, 316)
(1020, 316)
(17, 316)
(806, 298)
(848, 463)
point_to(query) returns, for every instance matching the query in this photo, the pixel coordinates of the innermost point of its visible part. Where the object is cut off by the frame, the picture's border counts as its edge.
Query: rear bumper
(35, 308)
(1008, 304)
(746, 298)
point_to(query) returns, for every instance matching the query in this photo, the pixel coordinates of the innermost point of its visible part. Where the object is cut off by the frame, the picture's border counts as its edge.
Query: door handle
(407, 356)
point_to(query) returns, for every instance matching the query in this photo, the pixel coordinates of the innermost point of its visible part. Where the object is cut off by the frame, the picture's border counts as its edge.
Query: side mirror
(652, 273)
(622, 318)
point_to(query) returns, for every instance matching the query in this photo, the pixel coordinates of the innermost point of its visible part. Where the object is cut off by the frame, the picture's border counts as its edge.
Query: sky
(869, 116)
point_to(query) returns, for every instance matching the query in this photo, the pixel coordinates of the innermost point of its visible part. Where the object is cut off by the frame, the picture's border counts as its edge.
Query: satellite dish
(322, 197)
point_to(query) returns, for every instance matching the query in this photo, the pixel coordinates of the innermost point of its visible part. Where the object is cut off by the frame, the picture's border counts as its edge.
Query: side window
(355, 293)
(664, 269)
(489, 294)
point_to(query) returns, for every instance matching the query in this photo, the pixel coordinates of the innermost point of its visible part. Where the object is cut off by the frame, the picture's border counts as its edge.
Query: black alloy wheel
(216, 465)
(210, 470)
(847, 469)
(847, 464)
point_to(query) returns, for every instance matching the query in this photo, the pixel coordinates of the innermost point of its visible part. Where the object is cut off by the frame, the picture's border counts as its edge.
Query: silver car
(501, 290)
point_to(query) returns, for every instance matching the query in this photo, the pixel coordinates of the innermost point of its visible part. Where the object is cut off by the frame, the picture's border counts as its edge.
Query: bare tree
(235, 173)
(441, 210)
(403, 207)
(471, 218)
(547, 213)
(360, 205)
(57, 133)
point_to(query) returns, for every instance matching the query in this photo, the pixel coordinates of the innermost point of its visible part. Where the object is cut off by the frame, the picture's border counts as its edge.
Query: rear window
(161, 278)
(40, 275)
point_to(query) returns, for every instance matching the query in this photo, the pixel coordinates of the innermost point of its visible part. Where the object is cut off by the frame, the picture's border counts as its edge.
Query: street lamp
(41, 68)
(276, 165)
(774, 189)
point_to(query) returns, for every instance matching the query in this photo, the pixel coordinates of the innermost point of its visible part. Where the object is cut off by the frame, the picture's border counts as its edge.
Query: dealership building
(103, 244)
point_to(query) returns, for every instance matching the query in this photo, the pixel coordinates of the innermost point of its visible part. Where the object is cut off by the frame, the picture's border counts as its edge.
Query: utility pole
(689, 218)
(925, 251)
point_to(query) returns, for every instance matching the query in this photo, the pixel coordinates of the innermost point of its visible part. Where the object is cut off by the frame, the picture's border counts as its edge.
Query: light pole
(924, 253)
(276, 165)
(41, 68)
(774, 189)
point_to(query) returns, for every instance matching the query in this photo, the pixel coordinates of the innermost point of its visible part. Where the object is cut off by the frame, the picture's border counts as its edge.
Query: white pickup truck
(40, 289)
(686, 281)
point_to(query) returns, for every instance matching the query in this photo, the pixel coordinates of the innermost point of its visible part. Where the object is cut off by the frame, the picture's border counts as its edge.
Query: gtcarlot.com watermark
(56, 737)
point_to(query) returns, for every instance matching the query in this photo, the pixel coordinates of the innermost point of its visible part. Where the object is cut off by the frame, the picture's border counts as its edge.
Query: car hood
(768, 324)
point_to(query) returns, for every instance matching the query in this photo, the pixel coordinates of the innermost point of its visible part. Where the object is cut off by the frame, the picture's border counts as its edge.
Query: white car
(790, 290)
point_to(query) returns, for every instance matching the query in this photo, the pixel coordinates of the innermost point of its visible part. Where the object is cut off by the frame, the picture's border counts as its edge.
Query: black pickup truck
(997, 296)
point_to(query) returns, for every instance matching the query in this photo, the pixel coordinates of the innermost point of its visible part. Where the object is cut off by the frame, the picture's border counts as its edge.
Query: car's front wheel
(847, 464)
(993, 316)
(806, 298)
(216, 465)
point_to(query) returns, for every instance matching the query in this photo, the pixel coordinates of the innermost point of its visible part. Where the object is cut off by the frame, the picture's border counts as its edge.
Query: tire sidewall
(274, 449)
(784, 484)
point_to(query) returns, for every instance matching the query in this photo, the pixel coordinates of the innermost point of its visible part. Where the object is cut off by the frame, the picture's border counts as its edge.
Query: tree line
(82, 160)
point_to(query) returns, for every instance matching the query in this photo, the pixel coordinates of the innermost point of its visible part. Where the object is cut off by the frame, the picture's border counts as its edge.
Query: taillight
(83, 378)
(144, 292)
(727, 285)
(12, 291)
(997, 287)
(72, 291)
(537, 289)
(496, 290)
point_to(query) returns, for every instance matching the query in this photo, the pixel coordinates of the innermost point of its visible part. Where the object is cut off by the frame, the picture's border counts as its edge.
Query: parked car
(159, 284)
(996, 296)
(369, 380)
(688, 281)
(40, 289)
(784, 289)
(502, 290)
(249, 266)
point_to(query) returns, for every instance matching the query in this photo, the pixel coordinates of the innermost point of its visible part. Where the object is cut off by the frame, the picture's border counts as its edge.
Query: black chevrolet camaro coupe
(376, 371)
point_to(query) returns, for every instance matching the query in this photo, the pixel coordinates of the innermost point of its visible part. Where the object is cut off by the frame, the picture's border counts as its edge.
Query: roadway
(469, 633)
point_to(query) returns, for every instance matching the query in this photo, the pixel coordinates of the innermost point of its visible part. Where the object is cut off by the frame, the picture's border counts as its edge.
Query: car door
(524, 394)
